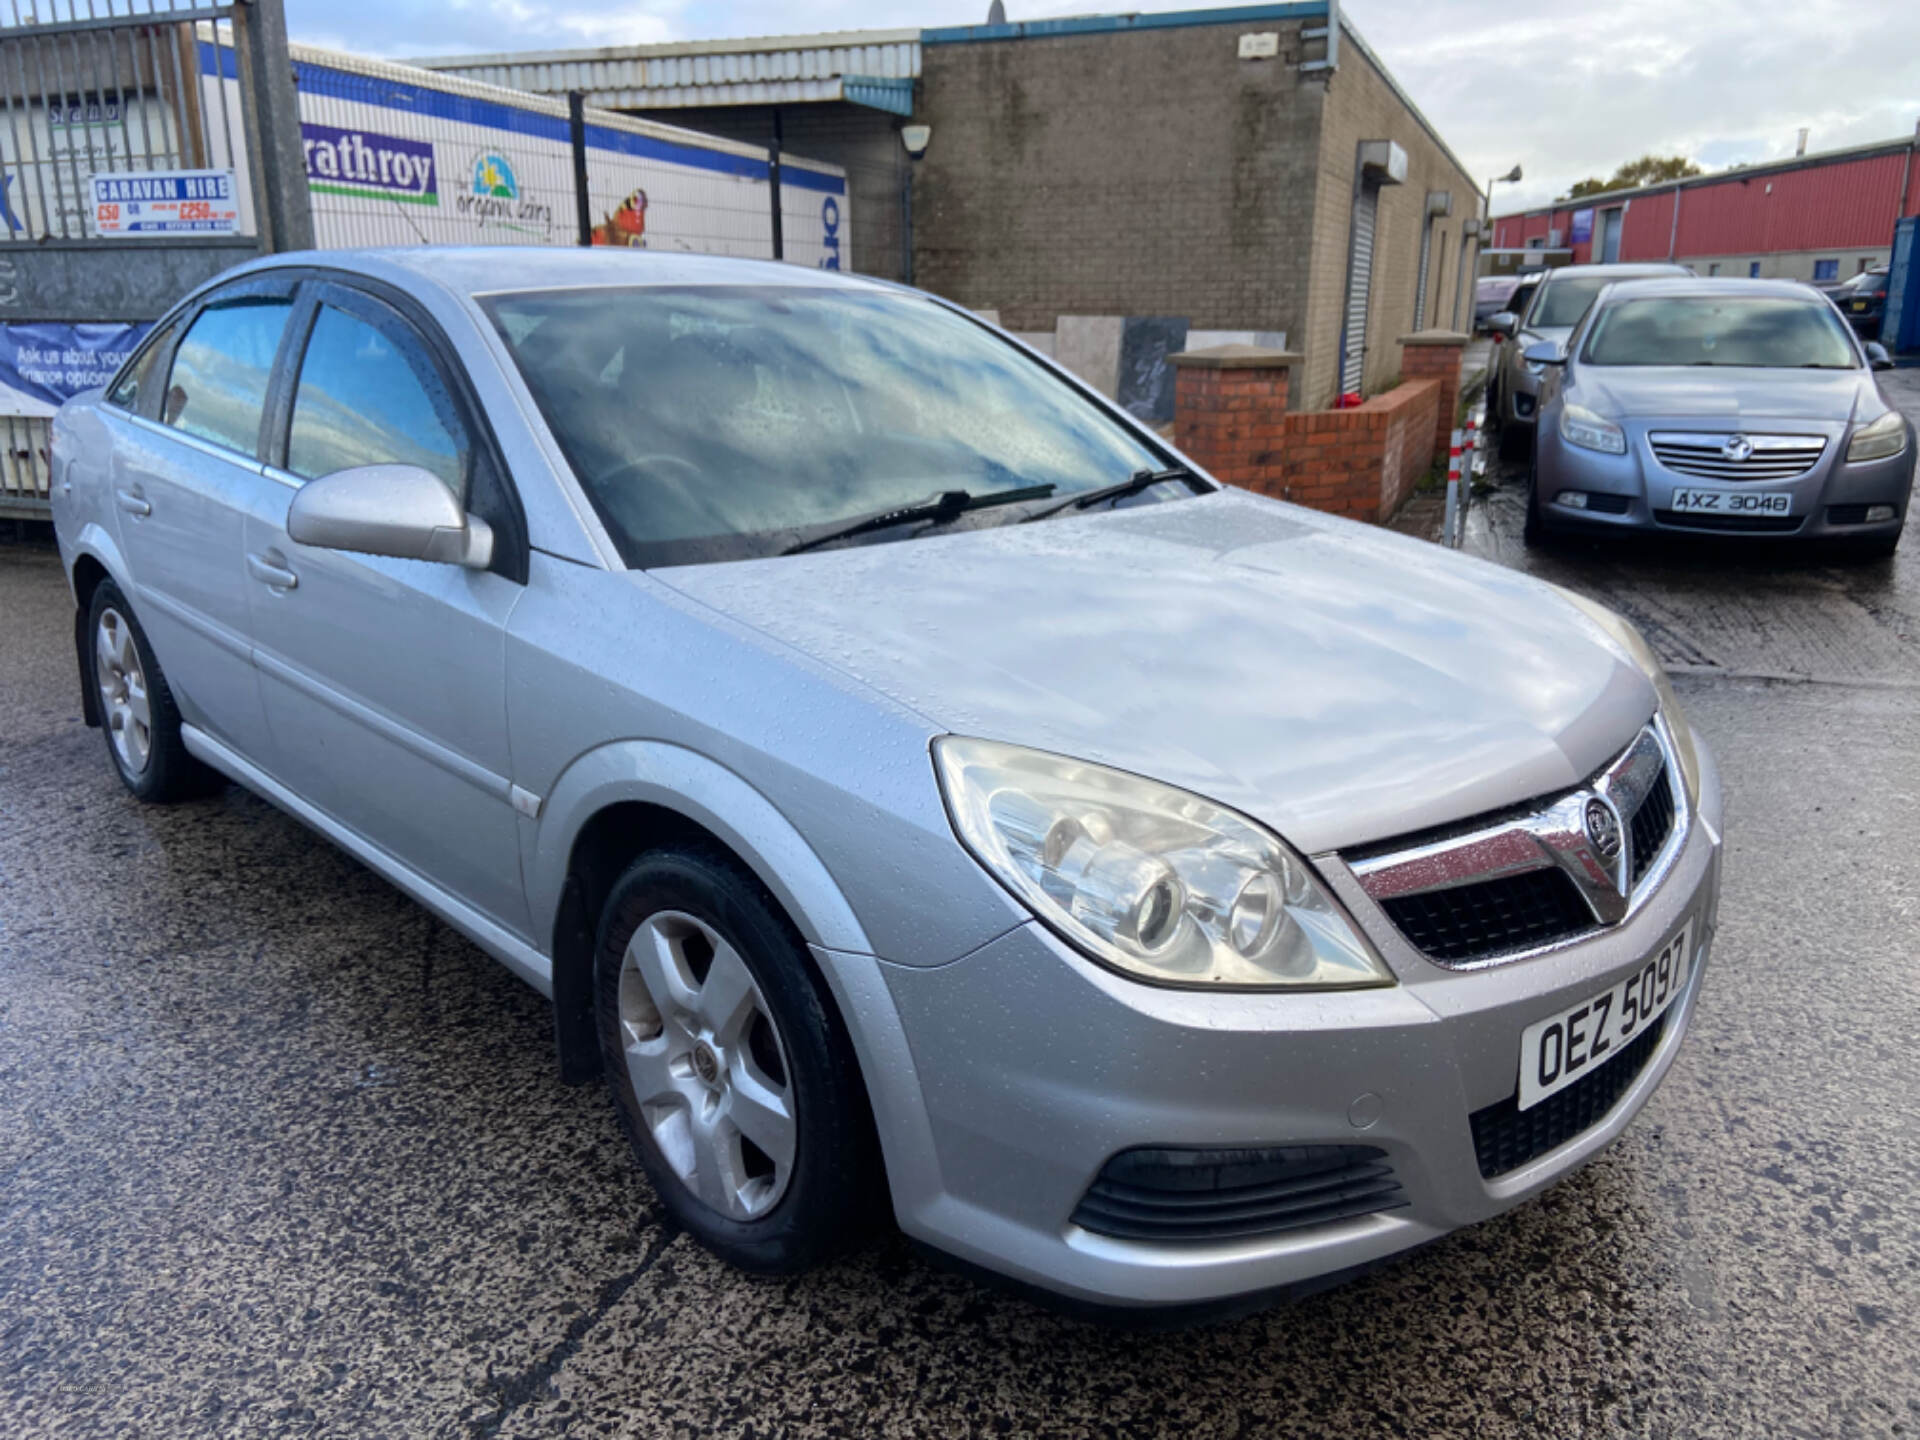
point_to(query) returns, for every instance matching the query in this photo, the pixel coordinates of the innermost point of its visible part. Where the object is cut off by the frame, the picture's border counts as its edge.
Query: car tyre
(730, 1070)
(138, 715)
(1534, 531)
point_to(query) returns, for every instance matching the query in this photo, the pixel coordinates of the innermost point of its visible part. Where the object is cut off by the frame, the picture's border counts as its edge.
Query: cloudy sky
(1565, 88)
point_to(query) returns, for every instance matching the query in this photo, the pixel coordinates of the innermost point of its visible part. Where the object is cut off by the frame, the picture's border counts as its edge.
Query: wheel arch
(622, 799)
(96, 560)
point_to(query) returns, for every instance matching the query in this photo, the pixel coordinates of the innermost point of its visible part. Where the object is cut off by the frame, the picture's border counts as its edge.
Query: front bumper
(1034, 1067)
(1828, 501)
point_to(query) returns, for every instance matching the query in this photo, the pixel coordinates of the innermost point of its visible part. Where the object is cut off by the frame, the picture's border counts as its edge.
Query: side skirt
(526, 962)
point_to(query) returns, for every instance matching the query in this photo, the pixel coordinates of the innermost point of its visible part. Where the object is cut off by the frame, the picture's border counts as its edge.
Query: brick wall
(1362, 462)
(1435, 355)
(1148, 172)
(1231, 416)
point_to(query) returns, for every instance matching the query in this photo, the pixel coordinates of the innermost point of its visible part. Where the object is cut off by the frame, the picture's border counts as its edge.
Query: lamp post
(915, 139)
(1512, 177)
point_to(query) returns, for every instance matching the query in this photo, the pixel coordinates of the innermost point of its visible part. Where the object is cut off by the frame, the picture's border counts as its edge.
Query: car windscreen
(1767, 332)
(1563, 302)
(722, 422)
(1866, 282)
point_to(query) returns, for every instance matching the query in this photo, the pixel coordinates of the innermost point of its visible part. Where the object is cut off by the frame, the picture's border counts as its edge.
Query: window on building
(1753, 269)
(1537, 242)
(1865, 261)
(1826, 269)
(1714, 268)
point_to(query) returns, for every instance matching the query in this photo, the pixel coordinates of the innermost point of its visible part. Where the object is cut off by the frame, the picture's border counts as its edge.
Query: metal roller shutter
(1359, 288)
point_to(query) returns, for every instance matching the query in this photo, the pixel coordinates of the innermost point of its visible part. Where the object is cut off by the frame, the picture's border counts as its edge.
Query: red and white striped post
(1450, 531)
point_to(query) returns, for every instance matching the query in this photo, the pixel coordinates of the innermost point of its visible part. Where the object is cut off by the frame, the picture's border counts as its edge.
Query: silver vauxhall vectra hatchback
(919, 789)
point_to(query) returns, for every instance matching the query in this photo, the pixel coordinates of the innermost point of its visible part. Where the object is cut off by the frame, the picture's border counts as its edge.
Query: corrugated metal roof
(1098, 24)
(1715, 177)
(1836, 200)
(868, 67)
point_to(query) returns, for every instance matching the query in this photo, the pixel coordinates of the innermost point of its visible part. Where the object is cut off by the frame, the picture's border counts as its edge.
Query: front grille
(1754, 524)
(1604, 504)
(1846, 514)
(1651, 824)
(1505, 1137)
(1492, 917)
(1198, 1195)
(1774, 457)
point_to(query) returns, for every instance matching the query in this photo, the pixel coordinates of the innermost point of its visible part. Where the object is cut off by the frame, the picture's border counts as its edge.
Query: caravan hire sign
(164, 202)
(368, 164)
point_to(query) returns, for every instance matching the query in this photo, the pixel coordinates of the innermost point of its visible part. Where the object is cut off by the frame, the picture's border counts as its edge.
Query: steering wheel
(642, 463)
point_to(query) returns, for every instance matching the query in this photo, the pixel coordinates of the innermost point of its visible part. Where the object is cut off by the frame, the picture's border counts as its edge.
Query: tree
(1651, 170)
(1647, 170)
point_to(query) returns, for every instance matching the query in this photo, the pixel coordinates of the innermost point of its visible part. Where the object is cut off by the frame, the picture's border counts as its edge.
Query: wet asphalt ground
(281, 1155)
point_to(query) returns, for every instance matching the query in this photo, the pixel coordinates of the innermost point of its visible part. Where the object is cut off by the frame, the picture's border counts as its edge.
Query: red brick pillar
(1230, 412)
(1435, 355)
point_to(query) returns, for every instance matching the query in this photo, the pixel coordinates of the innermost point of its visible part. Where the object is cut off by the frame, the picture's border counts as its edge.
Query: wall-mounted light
(916, 138)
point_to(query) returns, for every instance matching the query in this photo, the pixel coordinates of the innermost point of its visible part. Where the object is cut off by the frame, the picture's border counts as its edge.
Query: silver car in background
(919, 791)
(1558, 301)
(1742, 407)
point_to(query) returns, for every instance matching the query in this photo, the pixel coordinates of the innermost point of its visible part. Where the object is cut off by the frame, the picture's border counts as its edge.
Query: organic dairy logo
(367, 164)
(494, 201)
(493, 176)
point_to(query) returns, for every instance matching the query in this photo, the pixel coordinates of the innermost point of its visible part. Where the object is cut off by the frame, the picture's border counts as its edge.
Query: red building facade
(1816, 217)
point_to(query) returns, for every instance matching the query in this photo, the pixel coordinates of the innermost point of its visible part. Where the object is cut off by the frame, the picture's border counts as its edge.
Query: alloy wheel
(706, 1062)
(124, 705)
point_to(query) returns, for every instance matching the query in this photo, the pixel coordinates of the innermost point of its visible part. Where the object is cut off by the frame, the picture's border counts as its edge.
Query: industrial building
(1254, 168)
(1819, 217)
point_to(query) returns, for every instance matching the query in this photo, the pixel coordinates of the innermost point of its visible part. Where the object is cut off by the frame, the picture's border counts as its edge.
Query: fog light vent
(1199, 1195)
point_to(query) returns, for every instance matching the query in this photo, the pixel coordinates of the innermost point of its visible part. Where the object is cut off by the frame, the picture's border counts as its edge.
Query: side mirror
(1878, 357)
(1543, 352)
(400, 511)
(1503, 323)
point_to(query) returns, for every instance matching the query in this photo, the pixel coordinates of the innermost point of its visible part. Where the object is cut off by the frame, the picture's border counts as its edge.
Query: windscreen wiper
(1132, 485)
(940, 509)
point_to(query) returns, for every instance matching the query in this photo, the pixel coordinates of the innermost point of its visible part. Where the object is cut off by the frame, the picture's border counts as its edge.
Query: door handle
(273, 575)
(133, 502)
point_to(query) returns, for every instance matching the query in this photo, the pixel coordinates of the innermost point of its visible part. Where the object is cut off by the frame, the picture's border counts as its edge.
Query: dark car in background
(1863, 300)
(1491, 295)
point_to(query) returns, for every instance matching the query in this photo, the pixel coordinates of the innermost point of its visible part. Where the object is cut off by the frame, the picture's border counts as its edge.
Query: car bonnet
(1340, 683)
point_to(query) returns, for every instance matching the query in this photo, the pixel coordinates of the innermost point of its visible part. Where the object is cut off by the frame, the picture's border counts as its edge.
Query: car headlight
(1155, 882)
(1622, 631)
(1534, 368)
(1581, 426)
(1885, 436)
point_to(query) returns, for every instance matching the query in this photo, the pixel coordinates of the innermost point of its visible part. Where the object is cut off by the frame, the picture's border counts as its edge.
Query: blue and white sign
(1581, 230)
(165, 202)
(42, 366)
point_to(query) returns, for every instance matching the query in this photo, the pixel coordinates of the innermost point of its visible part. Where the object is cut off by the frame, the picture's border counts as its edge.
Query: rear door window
(217, 389)
(138, 381)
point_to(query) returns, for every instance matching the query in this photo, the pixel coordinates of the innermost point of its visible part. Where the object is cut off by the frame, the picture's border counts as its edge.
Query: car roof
(480, 269)
(1709, 286)
(1621, 271)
